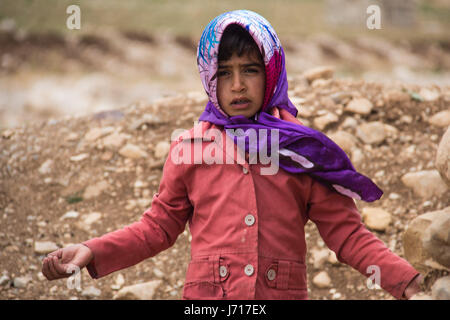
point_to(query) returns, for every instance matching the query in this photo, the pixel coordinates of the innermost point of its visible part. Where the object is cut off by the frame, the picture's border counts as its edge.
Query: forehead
(245, 59)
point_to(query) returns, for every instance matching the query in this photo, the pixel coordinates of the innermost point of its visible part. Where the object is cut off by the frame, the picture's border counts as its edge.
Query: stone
(371, 132)
(95, 190)
(322, 280)
(429, 95)
(436, 240)
(79, 157)
(322, 72)
(115, 140)
(440, 119)
(319, 257)
(425, 184)
(332, 258)
(70, 215)
(421, 296)
(357, 156)
(360, 106)
(22, 282)
(5, 280)
(132, 151)
(87, 220)
(322, 121)
(376, 218)
(91, 292)
(46, 167)
(442, 161)
(162, 149)
(441, 289)
(412, 239)
(396, 96)
(141, 291)
(96, 133)
(44, 247)
(344, 140)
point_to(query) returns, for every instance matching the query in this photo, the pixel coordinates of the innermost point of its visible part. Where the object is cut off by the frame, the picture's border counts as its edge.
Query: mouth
(240, 103)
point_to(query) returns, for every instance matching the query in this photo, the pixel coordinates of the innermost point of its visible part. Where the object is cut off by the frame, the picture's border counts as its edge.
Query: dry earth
(34, 197)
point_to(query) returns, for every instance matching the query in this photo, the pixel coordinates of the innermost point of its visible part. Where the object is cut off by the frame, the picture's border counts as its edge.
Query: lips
(240, 101)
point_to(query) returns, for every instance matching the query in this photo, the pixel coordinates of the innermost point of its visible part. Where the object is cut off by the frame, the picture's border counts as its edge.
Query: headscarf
(301, 149)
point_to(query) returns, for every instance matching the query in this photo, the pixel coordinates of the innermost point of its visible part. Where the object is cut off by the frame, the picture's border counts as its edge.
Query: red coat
(248, 238)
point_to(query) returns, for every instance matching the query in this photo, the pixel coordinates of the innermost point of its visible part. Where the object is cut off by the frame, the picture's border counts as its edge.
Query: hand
(60, 263)
(414, 287)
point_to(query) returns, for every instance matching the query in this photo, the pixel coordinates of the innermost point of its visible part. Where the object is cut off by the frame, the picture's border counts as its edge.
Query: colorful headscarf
(301, 149)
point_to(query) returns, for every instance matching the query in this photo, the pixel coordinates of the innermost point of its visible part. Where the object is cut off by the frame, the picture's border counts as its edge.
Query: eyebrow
(245, 65)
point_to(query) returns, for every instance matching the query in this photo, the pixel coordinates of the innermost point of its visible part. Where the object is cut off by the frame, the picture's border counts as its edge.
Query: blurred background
(143, 50)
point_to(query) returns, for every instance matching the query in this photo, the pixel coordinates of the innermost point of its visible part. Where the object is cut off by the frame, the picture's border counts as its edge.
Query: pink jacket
(248, 239)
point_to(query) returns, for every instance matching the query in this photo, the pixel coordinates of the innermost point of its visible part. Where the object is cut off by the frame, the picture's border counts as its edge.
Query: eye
(222, 73)
(251, 70)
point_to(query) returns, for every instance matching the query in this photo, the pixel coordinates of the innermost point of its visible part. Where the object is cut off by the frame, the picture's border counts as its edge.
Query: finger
(52, 267)
(57, 253)
(46, 269)
(59, 268)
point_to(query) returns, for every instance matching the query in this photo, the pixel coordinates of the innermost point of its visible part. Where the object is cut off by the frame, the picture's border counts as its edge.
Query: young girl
(247, 224)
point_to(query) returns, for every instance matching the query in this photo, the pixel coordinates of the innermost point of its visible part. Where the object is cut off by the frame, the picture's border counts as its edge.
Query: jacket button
(244, 170)
(223, 271)
(249, 220)
(249, 270)
(271, 274)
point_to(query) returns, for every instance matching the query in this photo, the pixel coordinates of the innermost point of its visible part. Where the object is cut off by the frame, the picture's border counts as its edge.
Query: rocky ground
(64, 181)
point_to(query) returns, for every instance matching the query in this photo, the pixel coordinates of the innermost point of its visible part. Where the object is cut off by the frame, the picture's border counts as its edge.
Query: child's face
(241, 85)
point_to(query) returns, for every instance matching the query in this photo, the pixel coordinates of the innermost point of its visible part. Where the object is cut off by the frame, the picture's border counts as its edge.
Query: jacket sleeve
(156, 231)
(339, 224)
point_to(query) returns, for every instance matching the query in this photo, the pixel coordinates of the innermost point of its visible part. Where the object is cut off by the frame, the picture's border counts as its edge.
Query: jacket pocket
(286, 275)
(204, 279)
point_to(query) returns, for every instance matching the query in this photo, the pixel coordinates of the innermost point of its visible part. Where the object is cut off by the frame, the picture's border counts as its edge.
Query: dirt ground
(32, 203)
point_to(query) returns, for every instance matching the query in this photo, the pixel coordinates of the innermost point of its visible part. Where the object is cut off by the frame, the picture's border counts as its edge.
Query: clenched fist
(60, 263)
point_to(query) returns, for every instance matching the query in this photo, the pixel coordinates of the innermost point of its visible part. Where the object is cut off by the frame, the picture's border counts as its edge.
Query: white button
(245, 170)
(271, 274)
(223, 271)
(249, 270)
(249, 220)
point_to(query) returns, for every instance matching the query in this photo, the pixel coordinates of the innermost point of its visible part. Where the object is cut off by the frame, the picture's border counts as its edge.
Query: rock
(323, 72)
(132, 151)
(332, 258)
(425, 184)
(344, 140)
(162, 149)
(115, 140)
(44, 247)
(5, 280)
(421, 296)
(46, 167)
(436, 240)
(376, 218)
(360, 106)
(322, 121)
(95, 190)
(319, 257)
(322, 280)
(79, 157)
(91, 292)
(349, 122)
(443, 157)
(429, 95)
(21, 282)
(70, 215)
(141, 291)
(96, 133)
(88, 219)
(412, 239)
(371, 132)
(440, 119)
(357, 156)
(396, 96)
(441, 289)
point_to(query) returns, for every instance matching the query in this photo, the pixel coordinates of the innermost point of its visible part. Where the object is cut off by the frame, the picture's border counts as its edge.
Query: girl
(248, 239)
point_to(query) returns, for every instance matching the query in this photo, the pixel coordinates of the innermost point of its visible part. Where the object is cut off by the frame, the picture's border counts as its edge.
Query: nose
(238, 84)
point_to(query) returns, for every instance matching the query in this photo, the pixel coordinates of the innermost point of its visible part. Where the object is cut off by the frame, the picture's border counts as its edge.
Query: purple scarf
(301, 149)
